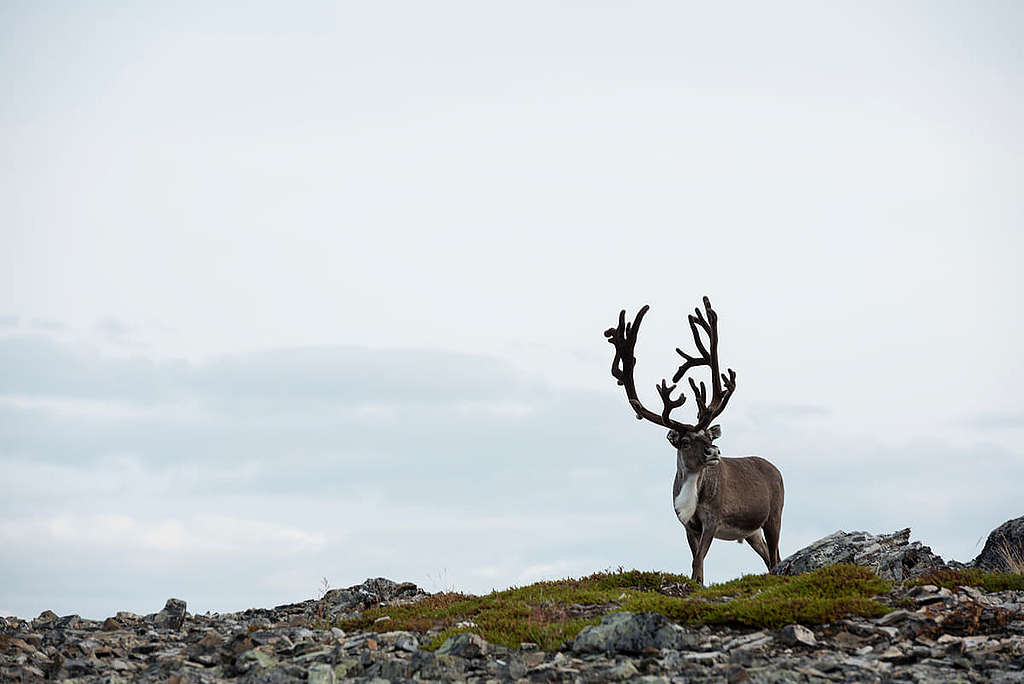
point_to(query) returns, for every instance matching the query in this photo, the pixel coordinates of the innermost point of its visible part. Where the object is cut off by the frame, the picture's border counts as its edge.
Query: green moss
(989, 581)
(550, 613)
(542, 613)
(772, 601)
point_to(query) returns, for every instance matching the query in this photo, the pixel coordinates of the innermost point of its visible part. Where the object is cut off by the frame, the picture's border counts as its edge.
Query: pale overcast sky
(319, 290)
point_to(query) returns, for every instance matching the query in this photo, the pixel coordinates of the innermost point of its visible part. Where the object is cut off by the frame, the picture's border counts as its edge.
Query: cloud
(40, 366)
(998, 420)
(761, 411)
(112, 329)
(203, 533)
(46, 325)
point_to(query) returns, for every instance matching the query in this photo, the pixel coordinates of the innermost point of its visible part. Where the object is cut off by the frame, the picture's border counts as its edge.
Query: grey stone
(46, 616)
(407, 642)
(631, 633)
(254, 658)
(1008, 538)
(68, 622)
(464, 645)
(172, 616)
(746, 642)
(321, 673)
(797, 634)
(624, 670)
(705, 657)
(373, 592)
(890, 556)
(893, 617)
(431, 665)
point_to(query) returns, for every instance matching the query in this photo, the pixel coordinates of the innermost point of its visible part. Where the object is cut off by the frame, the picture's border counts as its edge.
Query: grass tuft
(1013, 556)
(989, 581)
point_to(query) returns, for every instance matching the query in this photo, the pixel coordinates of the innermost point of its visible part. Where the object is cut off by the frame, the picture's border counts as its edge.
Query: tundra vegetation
(550, 613)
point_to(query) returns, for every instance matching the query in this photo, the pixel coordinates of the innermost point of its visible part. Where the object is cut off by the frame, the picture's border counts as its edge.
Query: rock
(406, 641)
(893, 617)
(373, 592)
(46, 616)
(797, 634)
(321, 673)
(254, 657)
(172, 616)
(624, 670)
(890, 556)
(240, 643)
(110, 625)
(1007, 539)
(68, 622)
(631, 633)
(747, 642)
(464, 645)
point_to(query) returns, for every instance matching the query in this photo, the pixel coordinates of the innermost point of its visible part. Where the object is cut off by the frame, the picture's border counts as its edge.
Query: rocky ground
(939, 635)
(931, 634)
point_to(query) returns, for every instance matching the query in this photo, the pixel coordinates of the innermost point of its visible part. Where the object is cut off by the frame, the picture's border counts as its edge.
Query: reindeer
(735, 499)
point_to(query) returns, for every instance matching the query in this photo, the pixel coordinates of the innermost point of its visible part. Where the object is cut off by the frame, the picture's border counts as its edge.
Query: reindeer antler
(623, 337)
(706, 412)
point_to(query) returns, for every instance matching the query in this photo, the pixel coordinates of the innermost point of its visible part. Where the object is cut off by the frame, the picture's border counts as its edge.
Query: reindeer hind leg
(756, 542)
(771, 532)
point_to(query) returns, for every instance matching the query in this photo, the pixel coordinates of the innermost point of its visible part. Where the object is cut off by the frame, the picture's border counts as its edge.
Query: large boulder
(890, 556)
(1004, 548)
(172, 616)
(632, 633)
(377, 591)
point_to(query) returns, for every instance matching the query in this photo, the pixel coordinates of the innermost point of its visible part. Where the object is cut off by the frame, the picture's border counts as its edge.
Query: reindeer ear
(715, 431)
(673, 438)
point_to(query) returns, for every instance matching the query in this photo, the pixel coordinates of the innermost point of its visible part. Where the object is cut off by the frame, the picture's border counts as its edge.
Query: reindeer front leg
(707, 535)
(693, 539)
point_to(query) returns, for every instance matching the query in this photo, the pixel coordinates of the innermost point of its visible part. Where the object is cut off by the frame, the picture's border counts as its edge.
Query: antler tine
(667, 401)
(700, 394)
(708, 356)
(623, 337)
(694, 322)
(730, 387)
(693, 361)
(713, 344)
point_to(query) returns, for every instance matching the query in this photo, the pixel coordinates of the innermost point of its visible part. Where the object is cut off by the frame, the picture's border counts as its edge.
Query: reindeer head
(693, 443)
(694, 449)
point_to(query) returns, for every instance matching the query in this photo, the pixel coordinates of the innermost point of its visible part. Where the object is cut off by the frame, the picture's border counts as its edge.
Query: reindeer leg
(756, 542)
(772, 528)
(692, 538)
(707, 535)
